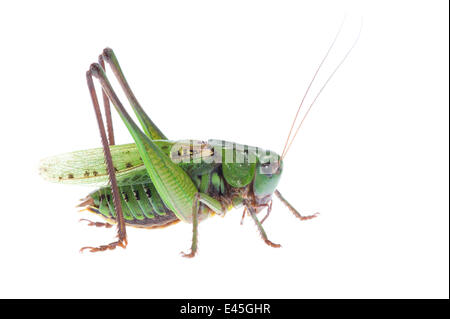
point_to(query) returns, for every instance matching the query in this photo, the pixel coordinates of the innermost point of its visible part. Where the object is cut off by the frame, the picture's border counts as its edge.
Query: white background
(372, 157)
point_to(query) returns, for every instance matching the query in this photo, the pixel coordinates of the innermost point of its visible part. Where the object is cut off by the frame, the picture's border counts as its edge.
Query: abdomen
(141, 205)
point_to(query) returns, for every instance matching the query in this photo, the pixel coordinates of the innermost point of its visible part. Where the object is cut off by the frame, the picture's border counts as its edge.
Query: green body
(159, 181)
(141, 203)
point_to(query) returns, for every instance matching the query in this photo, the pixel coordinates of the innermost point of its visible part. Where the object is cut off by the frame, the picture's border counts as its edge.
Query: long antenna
(310, 84)
(320, 91)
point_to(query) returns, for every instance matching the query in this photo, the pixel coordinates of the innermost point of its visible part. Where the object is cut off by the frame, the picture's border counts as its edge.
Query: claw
(309, 217)
(271, 244)
(190, 255)
(110, 246)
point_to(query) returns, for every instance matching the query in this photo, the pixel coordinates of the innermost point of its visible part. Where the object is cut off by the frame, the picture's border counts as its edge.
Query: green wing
(88, 166)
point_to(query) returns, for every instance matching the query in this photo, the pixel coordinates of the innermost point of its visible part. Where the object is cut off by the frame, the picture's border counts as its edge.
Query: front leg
(261, 230)
(292, 209)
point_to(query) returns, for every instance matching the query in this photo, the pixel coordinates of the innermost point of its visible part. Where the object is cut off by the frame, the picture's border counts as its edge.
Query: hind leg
(150, 128)
(121, 230)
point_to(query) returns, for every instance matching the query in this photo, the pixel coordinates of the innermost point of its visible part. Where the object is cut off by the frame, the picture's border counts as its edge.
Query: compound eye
(268, 168)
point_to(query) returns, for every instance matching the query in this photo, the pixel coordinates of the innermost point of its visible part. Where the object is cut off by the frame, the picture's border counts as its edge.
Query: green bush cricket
(155, 182)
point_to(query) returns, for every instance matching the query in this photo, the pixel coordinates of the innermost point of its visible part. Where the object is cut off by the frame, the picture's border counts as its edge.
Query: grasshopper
(155, 182)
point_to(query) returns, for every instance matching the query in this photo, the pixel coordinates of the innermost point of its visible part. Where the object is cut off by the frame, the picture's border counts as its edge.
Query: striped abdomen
(141, 204)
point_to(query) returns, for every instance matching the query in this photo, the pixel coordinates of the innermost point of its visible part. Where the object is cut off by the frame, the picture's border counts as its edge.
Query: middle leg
(194, 245)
